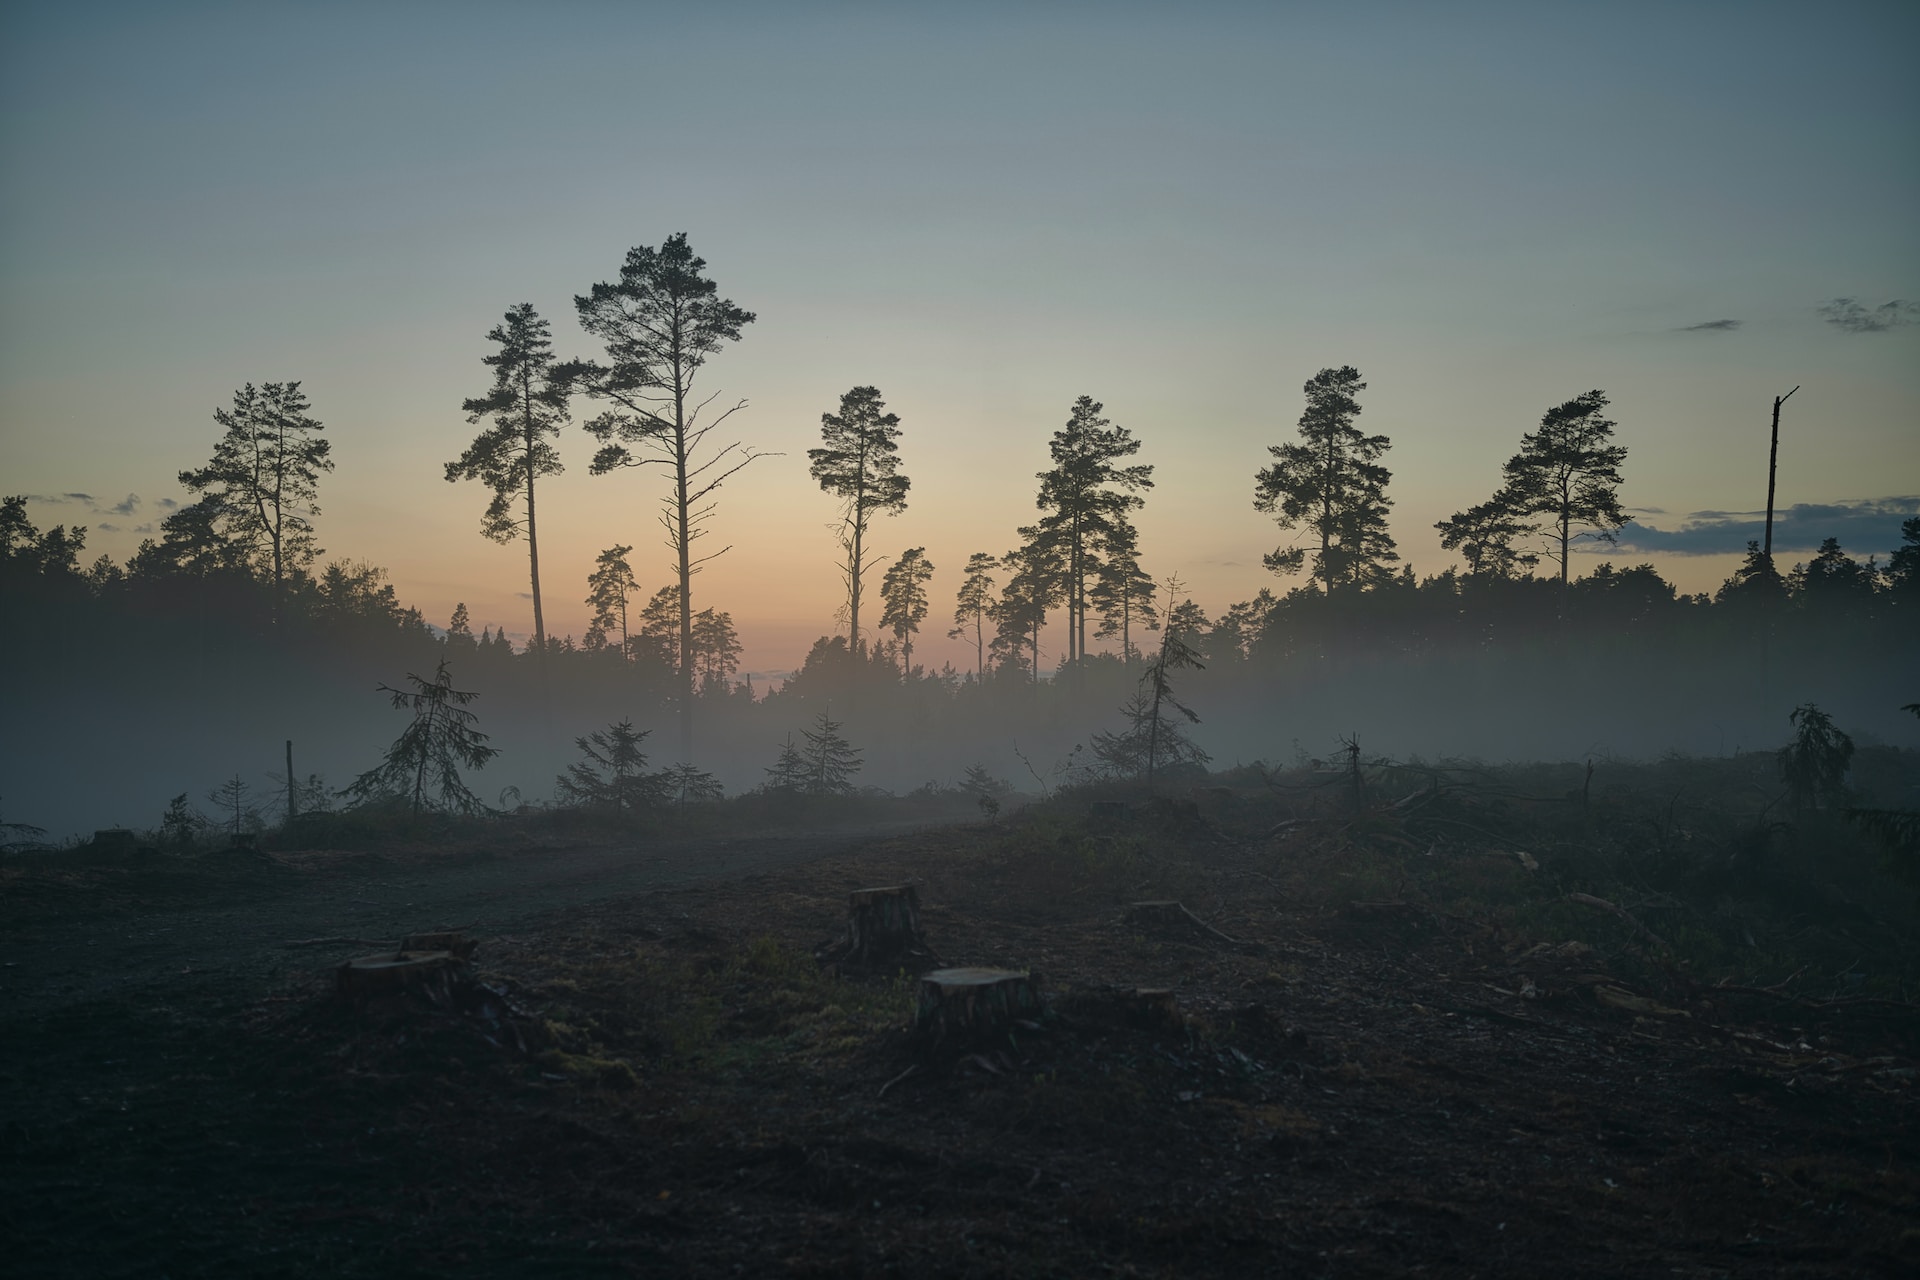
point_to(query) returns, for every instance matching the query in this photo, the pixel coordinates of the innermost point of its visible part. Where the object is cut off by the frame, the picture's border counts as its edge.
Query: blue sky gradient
(985, 211)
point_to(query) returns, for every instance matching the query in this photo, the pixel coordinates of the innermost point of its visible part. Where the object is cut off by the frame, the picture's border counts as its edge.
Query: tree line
(246, 548)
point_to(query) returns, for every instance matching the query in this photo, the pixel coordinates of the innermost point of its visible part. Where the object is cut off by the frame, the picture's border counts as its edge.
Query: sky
(985, 211)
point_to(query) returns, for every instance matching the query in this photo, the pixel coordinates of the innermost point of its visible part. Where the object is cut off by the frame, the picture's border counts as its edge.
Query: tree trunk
(684, 536)
(853, 564)
(533, 560)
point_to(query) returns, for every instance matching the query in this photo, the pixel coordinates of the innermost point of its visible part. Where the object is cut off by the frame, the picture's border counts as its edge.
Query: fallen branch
(1172, 914)
(896, 1080)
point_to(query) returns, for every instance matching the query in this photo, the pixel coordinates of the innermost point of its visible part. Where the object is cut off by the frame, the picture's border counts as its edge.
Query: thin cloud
(1867, 526)
(167, 504)
(1849, 316)
(1710, 326)
(125, 507)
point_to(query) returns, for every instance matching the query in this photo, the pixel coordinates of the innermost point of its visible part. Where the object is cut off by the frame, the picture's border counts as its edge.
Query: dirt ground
(664, 1081)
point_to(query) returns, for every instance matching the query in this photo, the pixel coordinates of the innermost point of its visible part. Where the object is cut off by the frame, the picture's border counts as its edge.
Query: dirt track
(67, 945)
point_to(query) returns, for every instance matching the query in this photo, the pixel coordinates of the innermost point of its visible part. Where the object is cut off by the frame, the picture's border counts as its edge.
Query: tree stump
(459, 944)
(883, 925)
(432, 975)
(975, 1006)
(1150, 1006)
(113, 842)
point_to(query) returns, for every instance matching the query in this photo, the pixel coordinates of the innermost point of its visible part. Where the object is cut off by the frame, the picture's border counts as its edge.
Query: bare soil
(1348, 1089)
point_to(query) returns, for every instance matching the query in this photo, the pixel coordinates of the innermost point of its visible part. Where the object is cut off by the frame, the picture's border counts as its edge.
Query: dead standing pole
(1773, 467)
(292, 791)
(1766, 549)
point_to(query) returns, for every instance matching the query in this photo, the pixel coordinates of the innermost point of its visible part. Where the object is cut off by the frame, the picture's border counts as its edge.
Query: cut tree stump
(965, 1007)
(883, 925)
(451, 940)
(429, 974)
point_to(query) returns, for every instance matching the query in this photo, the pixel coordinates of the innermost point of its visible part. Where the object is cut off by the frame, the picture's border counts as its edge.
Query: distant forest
(233, 617)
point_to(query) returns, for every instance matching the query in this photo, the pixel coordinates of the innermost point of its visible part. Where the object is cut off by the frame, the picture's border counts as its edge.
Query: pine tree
(609, 587)
(1833, 584)
(973, 605)
(1156, 736)
(528, 406)
(984, 790)
(612, 771)
(716, 649)
(238, 816)
(1235, 634)
(1124, 593)
(422, 767)
(682, 785)
(788, 774)
(1485, 537)
(903, 593)
(830, 760)
(660, 322)
(660, 627)
(1086, 496)
(1903, 572)
(859, 463)
(1037, 585)
(1332, 485)
(260, 491)
(1814, 765)
(180, 823)
(1756, 588)
(1567, 477)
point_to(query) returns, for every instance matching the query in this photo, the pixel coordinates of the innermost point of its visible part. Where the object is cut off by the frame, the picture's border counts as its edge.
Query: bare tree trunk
(1153, 726)
(686, 579)
(853, 581)
(533, 537)
(533, 560)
